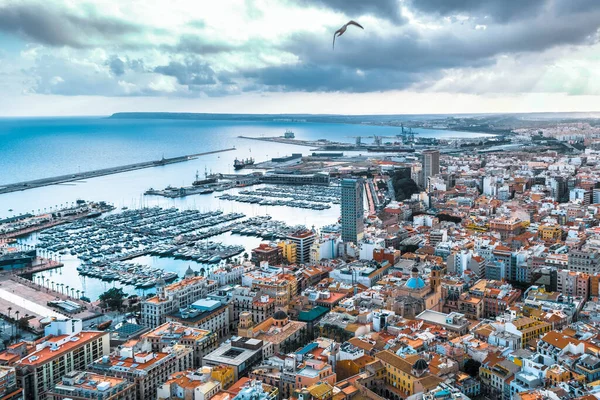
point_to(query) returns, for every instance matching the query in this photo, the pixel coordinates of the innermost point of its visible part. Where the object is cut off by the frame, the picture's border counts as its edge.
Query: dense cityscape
(300, 200)
(458, 268)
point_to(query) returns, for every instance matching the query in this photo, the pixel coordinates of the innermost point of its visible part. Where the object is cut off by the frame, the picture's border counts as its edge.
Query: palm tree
(48, 283)
(17, 321)
(53, 286)
(9, 310)
(78, 291)
(67, 290)
(72, 292)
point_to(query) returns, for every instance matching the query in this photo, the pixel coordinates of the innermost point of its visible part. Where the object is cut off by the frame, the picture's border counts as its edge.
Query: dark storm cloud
(411, 55)
(189, 73)
(386, 9)
(404, 56)
(49, 26)
(502, 11)
(316, 78)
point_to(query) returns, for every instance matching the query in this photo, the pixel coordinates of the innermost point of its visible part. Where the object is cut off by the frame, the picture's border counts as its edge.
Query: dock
(327, 145)
(15, 187)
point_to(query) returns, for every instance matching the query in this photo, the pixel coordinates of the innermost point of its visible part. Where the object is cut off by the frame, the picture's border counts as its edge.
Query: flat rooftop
(436, 318)
(227, 354)
(47, 354)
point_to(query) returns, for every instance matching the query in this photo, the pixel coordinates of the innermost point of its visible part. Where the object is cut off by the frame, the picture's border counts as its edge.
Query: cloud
(407, 44)
(191, 72)
(116, 65)
(119, 65)
(504, 11)
(55, 27)
(498, 10)
(195, 44)
(406, 53)
(316, 78)
(386, 9)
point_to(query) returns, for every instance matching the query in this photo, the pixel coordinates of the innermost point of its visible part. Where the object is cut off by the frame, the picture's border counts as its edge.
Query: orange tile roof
(558, 340)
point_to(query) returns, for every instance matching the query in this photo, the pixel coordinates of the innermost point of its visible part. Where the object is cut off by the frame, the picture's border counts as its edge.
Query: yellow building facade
(289, 250)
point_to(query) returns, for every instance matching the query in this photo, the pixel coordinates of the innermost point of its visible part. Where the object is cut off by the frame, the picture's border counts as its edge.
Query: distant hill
(352, 119)
(490, 123)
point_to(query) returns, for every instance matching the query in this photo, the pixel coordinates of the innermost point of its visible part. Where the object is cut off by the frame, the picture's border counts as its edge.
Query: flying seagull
(341, 31)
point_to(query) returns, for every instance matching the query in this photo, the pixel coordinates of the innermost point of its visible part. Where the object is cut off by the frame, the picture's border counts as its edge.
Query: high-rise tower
(352, 210)
(431, 164)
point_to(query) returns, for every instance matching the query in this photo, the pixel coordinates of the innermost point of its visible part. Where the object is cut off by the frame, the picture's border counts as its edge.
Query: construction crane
(408, 136)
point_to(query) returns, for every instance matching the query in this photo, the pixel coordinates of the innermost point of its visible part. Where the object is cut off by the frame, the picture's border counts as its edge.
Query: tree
(472, 367)
(113, 298)
(448, 217)
(404, 186)
(23, 323)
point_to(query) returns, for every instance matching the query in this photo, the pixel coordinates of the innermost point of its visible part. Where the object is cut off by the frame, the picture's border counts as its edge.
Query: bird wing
(337, 33)
(355, 24)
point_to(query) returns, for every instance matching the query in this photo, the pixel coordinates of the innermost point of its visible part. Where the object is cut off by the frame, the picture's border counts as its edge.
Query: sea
(34, 148)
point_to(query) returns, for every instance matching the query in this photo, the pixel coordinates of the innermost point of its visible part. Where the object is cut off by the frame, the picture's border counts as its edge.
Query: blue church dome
(415, 283)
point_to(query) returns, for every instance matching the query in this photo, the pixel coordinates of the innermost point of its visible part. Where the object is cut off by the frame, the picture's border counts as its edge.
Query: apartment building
(171, 298)
(78, 385)
(206, 314)
(66, 348)
(147, 369)
(200, 341)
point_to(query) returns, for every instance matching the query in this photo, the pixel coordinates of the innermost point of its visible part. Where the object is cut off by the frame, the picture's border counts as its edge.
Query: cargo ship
(239, 164)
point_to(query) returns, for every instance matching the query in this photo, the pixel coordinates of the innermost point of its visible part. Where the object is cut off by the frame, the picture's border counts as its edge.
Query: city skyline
(264, 57)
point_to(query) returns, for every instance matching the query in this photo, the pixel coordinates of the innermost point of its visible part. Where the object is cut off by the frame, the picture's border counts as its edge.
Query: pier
(15, 187)
(327, 145)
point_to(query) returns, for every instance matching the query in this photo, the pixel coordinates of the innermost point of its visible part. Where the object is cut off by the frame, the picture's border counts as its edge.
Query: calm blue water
(40, 147)
(36, 148)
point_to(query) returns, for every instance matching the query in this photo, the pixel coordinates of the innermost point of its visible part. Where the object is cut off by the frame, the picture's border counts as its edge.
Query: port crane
(407, 136)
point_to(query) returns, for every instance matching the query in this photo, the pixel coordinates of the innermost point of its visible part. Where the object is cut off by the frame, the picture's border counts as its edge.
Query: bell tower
(246, 325)
(435, 277)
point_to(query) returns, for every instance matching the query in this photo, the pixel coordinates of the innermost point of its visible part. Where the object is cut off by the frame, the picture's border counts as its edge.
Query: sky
(73, 57)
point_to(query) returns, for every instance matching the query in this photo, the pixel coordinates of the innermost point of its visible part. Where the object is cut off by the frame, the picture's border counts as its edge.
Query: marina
(275, 202)
(26, 224)
(127, 234)
(125, 190)
(310, 197)
(138, 275)
(110, 248)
